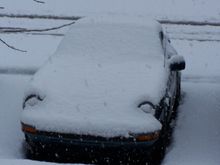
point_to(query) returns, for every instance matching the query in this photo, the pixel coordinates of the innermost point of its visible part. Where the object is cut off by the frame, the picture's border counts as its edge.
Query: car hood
(100, 100)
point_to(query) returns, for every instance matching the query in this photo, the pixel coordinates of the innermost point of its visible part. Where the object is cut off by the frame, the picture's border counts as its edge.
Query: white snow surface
(202, 59)
(196, 135)
(199, 10)
(176, 59)
(99, 74)
(28, 162)
(12, 89)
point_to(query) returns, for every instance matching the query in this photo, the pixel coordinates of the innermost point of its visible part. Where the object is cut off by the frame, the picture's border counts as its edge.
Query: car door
(170, 95)
(173, 78)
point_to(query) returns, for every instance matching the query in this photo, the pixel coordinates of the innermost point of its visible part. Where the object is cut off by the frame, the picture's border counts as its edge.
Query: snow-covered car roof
(101, 71)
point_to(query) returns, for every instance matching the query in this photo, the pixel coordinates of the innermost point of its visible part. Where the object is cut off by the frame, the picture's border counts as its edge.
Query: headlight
(31, 100)
(146, 137)
(147, 107)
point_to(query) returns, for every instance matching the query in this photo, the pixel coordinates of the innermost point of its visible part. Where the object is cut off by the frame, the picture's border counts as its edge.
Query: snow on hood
(99, 74)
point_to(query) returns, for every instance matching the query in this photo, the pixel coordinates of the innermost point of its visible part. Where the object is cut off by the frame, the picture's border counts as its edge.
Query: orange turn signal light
(148, 137)
(28, 128)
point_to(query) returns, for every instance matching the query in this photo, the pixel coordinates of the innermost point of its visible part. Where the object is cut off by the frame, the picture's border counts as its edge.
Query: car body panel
(87, 95)
(95, 81)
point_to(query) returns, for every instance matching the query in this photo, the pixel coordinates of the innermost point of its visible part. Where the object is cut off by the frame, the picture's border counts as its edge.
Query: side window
(161, 35)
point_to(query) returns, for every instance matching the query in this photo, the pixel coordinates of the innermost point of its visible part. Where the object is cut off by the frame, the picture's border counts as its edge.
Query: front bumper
(91, 146)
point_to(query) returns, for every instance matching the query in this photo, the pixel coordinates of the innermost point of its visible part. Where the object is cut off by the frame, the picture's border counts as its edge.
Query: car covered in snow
(113, 83)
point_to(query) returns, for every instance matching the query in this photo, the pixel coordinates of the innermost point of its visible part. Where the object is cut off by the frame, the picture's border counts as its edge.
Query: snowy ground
(196, 139)
(197, 133)
(11, 89)
(199, 10)
(196, 136)
(33, 42)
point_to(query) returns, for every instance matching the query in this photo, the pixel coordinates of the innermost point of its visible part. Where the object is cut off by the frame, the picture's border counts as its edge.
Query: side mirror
(177, 63)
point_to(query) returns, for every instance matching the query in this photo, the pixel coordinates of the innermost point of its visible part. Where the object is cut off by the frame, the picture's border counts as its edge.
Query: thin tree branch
(23, 30)
(12, 47)
(10, 28)
(38, 1)
(45, 34)
(1, 7)
(34, 16)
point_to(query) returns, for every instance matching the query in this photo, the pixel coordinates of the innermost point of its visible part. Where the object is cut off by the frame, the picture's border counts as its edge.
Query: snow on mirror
(177, 63)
